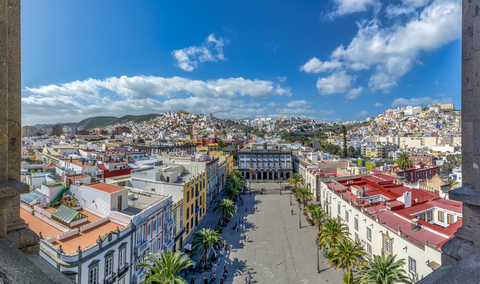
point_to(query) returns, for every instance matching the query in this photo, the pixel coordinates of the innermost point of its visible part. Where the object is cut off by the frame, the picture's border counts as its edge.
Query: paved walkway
(278, 251)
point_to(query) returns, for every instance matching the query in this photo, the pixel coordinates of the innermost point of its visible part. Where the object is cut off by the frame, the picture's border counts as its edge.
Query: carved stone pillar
(10, 130)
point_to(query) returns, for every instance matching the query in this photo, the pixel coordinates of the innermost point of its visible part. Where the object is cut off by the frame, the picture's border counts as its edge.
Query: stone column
(467, 237)
(10, 130)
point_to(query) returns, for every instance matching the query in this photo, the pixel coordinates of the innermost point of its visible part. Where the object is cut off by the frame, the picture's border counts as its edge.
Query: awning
(188, 247)
(433, 265)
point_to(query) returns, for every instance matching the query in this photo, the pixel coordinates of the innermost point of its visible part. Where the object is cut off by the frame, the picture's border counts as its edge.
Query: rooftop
(108, 188)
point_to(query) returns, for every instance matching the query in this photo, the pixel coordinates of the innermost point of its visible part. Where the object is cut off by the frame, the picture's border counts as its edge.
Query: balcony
(168, 245)
(110, 279)
(122, 269)
(169, 224)
(139, 249)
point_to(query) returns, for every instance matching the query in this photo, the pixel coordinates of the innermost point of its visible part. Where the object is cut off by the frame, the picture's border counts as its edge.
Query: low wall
(68, 234)
(51, 239)
(26, 207)
(78, 222)
(94, 224)
(119, 218)
(52, 223)
(42, 211)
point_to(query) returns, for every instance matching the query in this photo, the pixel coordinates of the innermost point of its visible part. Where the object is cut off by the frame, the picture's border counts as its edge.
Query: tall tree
(344, 130)
(332, 233)
(165, 267)
(403, 161)
(384, 270)
(226, 208)
(204, 241)
(348, 254)
(296, 179)
(319, 215)
(304, 195)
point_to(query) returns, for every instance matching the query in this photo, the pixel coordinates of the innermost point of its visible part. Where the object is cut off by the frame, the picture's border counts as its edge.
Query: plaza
(278, 251)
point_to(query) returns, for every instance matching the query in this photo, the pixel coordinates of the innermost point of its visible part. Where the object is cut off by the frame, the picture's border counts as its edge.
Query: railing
(110, 279)
(168, 245)
(122, 268)
(140, 248)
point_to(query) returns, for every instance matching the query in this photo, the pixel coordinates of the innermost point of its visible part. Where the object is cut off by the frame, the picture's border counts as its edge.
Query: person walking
(249, 277)
(192, 280)
(247, 238)
(246, 209)
(205, 281)
(253, 209)
(193, 266)
(245, 280)
(215, 267)
(231, 247)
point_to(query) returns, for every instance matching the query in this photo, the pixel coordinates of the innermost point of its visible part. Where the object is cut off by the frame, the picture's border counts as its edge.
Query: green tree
(381, 270)
(332, 233)
(403, 161)
(319, 215)
(451, 161)
(165, 267)
(296, 179)
(226, 208)
(204, 241)
(348, 254)
(351, 152)
(234, 145)
(304, 195)
(310, 208)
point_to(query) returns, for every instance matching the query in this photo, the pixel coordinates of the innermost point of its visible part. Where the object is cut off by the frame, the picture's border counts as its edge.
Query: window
(108, 266)
(388, 248)
(154, 247)
(93, 275)
(159, 222)
(357, 238)
(449, 219)
(440, 216)
(188, 227)
(149, 232)
(346, 215)
(356, 223)
(154, 225)
(429, 216)
(121, 280)
(338, 208)
(369, 233)
(153, 189)
(369, 249)
(191, 194)
(188, 213)
(412, 265)
(121, 256)
(188, 196)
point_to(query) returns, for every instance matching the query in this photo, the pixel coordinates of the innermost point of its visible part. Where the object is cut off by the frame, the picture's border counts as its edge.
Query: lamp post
(318, 261)
(280, 186)
(290, 197)
(299, 217)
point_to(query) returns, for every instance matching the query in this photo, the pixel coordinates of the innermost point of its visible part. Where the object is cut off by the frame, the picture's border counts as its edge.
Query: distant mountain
(102, 121)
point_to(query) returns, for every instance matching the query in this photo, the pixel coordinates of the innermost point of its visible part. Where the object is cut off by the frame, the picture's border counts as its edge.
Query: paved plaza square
(278, 251)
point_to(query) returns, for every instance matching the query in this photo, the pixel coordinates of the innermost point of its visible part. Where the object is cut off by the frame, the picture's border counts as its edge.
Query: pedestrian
(247, 238)
(205, 281)
(245, 208)
(221, 280)
(192, 280)
(292, 212)
(245, 280)
(253, 209)
(249, 277)
(225, 272)
(231, 246)
(226, 246)
(214, 276)
(215, 267)
(194, 263)
(236, 229)
(239, 220)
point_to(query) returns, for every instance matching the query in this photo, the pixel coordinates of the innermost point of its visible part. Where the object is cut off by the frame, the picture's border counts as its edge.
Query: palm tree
(332, 233)
(204, 241)
(403, 161)
(226, 208)
(347, 253)
(311, 208)
(165, 267)
(295, 180)
(230, 190)
(237, 174)
(381, 270)
(304, 195)
(319, 215)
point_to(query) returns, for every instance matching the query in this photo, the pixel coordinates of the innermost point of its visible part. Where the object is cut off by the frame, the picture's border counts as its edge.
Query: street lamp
(299, 217)
(280, 186)
(290, 197)
(318, 261)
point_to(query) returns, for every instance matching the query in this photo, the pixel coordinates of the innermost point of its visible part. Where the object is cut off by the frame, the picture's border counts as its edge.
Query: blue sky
(334, 60)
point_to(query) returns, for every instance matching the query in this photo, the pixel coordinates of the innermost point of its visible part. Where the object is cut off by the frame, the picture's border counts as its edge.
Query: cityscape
(214, 142)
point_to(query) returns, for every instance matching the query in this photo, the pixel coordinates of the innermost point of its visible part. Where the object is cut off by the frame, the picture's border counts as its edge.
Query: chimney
(70, 159)
(407, 199)
(83, 161)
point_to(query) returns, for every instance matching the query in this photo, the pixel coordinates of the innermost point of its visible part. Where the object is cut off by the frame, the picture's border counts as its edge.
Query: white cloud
(362, 114)
(345, 7)
(407, 7)
(378, 105)
(354, 93)
(326, 112)
(424, 101)
(150, 86)
(392, 51)
(300, 103)
(316, 66)
(211, 50)
(338, 82)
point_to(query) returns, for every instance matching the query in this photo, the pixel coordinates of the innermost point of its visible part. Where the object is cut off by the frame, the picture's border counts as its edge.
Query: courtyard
(278, 251)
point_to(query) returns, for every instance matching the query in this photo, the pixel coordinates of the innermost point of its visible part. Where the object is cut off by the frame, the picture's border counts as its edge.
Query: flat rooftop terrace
(69, 245)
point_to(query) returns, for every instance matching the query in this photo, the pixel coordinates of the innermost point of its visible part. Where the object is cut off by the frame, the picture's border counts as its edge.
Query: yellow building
(194, 205)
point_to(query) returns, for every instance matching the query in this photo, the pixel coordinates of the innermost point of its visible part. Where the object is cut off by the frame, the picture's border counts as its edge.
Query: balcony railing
(139, 249)
(110, 279)
(122, 269)
(168, 245)
(168, 224)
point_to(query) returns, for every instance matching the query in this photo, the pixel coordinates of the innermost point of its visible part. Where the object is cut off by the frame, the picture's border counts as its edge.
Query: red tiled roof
(49, 166)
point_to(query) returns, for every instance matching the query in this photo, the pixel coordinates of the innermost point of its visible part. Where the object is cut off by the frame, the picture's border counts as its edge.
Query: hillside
(102, 121)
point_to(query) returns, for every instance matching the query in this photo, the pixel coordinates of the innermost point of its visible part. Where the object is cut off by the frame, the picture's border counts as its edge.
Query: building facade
(265, 163)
